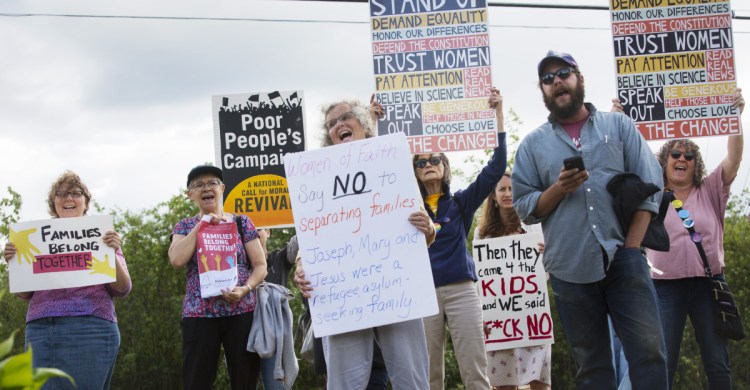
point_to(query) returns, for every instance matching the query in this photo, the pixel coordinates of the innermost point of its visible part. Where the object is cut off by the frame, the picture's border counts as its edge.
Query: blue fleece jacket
(451, 261)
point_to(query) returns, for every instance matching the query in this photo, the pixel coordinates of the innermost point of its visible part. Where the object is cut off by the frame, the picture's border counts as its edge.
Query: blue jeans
(83, 347)
(619, 361)
(680, 298)
(627, 294)
(378, 378)
(267, 366)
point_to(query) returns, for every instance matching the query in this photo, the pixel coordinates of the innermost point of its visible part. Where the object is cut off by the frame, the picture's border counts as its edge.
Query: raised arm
(735, 144)
(182, 248)
(496, 103)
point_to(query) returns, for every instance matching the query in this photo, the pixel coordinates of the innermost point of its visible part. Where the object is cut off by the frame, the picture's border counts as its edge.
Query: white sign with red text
(513, 290)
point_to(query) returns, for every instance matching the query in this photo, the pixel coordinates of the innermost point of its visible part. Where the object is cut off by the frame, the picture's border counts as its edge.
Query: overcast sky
(126, 102)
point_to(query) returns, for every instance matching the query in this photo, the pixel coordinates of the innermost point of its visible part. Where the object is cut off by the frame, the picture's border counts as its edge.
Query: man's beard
(569, 110)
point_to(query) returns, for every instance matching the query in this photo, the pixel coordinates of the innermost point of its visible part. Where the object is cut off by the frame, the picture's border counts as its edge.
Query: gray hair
(359, 110)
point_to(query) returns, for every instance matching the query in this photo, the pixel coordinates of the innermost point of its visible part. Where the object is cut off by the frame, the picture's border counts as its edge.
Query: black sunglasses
(422, 162)
(676, 154)
(549, 77)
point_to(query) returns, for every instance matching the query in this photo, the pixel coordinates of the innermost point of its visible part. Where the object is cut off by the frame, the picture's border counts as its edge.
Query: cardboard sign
(675, 67)
(367, 264)
(433, 73)
(513, 290)
(61, 253)
(252, 132)
(217, 252)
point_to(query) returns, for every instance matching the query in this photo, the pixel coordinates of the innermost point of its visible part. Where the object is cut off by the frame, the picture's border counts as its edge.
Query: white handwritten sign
(513, 289)
(367, 264)
(61, 253)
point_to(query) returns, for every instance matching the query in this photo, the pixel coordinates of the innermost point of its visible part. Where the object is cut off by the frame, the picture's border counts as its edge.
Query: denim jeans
(267, 366)
(84, 347)
(680, 298)
(619, 361)
(627, 294)
(378, 378)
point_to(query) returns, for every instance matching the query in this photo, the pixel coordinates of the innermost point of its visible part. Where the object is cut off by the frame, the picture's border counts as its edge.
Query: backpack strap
(240, 230)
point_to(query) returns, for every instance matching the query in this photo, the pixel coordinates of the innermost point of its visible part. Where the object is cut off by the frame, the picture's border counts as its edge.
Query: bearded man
(596, 268)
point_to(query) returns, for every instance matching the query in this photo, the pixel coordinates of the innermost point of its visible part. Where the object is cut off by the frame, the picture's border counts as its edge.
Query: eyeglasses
(212, 184)
(422, 162)
(343, 118)
(65, 194)
(676, 154)
(562, 73)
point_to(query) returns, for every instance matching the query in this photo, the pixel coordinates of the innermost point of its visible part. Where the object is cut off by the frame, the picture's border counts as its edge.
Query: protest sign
(252, 132)
(61, 253)
(433, 73)
(217, 252)
(513, 290)
(367, 264)
(675, 67)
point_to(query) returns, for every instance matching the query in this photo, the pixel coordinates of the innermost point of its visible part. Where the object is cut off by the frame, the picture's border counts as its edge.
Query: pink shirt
(93, 300)
(706, 205)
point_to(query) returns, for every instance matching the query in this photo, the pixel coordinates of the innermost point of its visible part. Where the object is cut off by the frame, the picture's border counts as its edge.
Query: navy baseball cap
(554, 55)
(203, 170)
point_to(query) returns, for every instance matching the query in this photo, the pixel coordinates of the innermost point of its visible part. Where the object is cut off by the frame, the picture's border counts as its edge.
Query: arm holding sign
(735, 145)
(258, 269)
(617, 106)
(452, 268)
(420, 219)
(182, 247)
(731, 163)
(122, 285)
(9, 253)
(299, 279)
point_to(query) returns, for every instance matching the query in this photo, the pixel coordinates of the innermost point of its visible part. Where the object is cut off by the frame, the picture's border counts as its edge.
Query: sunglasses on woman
(422, 162)
(676, 154)
(549, 77)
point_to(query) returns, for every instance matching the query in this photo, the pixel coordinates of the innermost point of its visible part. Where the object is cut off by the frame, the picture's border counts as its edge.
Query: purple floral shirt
(93, 300)
(194, 305)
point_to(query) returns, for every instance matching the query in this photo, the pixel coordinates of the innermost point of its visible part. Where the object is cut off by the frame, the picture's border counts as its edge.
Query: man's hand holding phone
(572, 174)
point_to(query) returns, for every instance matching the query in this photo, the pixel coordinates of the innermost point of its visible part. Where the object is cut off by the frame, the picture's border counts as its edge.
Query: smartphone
(574, 162)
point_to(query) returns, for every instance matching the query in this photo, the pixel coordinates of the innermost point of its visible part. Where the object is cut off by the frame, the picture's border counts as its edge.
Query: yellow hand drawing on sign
(204, 260)
(217, 259)
(24, 247)
(101, 267)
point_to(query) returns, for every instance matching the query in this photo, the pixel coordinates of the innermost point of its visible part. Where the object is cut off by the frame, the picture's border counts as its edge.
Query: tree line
(150, 355)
